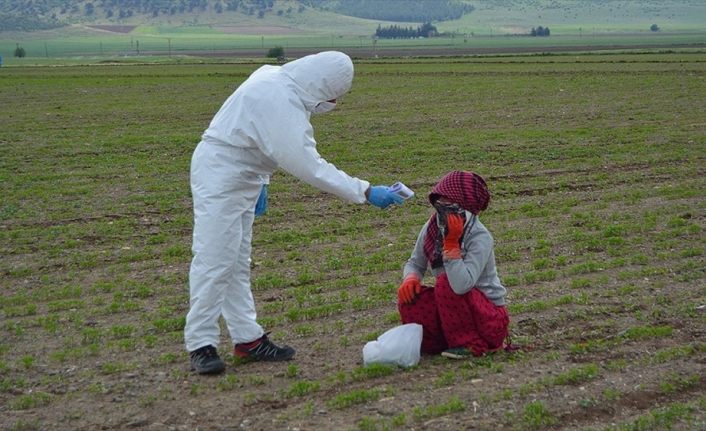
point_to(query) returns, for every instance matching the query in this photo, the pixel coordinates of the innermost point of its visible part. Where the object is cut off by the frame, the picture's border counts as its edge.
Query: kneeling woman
(464, 313)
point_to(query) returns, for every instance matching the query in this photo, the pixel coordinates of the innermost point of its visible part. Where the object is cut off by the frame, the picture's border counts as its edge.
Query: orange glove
(454, 230)
(409, 289)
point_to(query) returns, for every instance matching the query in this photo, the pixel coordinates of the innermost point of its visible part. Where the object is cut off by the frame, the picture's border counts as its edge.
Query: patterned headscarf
(468, 190)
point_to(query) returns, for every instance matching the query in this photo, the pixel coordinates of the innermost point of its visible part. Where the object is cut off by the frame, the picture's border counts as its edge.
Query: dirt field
(114, 28)
(597, 172)
(259, 30)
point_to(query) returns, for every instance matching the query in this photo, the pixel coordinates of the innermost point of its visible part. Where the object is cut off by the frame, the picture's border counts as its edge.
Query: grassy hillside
(490, 16)
(292, 25)
(580, 16)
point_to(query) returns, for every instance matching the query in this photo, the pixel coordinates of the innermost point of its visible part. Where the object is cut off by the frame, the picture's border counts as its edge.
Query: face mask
(322, 107)
(443, 210)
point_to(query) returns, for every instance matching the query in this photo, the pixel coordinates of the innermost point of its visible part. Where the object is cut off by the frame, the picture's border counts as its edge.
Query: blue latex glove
(382, 197)
(261, 205)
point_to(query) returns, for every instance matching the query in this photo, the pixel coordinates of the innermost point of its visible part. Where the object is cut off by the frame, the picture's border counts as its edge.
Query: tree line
(397, 32)
(540, 31)
(396, 10)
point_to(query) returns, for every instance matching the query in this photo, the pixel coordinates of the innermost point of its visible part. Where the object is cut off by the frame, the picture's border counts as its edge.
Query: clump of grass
(642, 332)
(114, 368)
(227, 383)
(674, 383)
(122, 331)
(536, 415)
(31, 401)
(445, 379)
(301, 388)
(454, 404)
(26, 425)
(163, 325)
(354, 397)
(372, 371)
(27, 361)
(292, 371)
(660, 419)
(167, 358)
(576, 375)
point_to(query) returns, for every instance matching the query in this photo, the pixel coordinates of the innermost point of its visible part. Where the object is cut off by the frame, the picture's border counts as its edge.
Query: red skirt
(450, 320)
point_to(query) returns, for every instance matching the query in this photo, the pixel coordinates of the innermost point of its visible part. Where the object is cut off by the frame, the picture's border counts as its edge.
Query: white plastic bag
(400, 345)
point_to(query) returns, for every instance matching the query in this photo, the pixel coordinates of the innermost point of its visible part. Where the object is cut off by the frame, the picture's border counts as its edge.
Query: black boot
(205, 360)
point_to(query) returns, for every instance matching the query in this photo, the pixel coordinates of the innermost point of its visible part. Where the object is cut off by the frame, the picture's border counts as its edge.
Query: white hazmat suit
(263, 125)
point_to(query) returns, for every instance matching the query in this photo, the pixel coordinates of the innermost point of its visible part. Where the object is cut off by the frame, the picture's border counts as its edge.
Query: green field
(596, 168)
(576, 25)
(75, 43)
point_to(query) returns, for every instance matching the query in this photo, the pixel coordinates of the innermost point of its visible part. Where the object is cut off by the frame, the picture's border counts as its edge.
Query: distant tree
(232, 5)
(89, 9)
(109, 13)
(276, 52)
(20, 52)
(218, 7)
(540, 31)
(654, 27)
(261, 14)
(427, 30)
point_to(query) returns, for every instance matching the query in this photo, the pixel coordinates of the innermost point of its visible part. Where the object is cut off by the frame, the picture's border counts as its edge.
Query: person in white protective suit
(263, 125)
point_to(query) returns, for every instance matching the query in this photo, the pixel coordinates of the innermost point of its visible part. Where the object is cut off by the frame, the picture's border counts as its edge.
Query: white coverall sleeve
(288, 139)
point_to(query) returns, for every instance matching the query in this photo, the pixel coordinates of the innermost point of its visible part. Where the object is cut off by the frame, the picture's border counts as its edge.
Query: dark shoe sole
(251, 358)
(214, 369)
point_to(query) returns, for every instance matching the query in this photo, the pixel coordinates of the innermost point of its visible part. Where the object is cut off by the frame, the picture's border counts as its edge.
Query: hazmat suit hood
(320, 77)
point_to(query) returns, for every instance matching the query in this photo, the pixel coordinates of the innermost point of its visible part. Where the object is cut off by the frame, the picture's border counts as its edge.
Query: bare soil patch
(114, 28)
(269, 30)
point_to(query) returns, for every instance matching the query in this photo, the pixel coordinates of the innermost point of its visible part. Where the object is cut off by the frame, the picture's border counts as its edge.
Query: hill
(30, 15)
(360, 16)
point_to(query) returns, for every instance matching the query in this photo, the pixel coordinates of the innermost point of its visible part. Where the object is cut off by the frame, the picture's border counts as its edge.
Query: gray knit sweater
(475, 269)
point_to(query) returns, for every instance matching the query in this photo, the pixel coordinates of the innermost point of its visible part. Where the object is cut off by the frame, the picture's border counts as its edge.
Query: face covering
(443, 210)
(322, 107)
